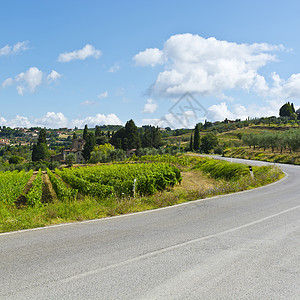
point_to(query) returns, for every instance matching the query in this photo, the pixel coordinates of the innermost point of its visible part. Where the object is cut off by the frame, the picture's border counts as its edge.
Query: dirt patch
(195, 180)
(48, 192)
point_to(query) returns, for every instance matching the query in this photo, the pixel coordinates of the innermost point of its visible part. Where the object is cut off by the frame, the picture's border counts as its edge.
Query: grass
(263, 155)
(196, 184)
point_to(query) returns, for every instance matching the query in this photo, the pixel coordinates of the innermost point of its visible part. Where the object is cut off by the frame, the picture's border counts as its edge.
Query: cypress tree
(40, 150)
(98, 132)
(293, 108)
(85, 132)
(191, 143)
(197, 138)
(88, 146)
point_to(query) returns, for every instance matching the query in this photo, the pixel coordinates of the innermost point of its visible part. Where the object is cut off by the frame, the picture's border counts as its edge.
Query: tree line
(289, 139)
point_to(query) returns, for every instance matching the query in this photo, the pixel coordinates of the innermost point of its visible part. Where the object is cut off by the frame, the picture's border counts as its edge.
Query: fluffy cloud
(18, 121)
(207, 66)
(220, 112)
(58, 120)
(53, 76)
(52, 120)
(17, 48)
(30, 80)
(150, 106)
(152, 57)
(99, 119)
(87, 51)
(103, 95)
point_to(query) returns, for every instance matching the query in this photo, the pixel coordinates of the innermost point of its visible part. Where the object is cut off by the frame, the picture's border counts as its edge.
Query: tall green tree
(132, 135)
(191, 143)
(88, 146)
(40, 150)
(293, 108)
(197, 138)
(98, 131)
(74, 136)
(85, 132)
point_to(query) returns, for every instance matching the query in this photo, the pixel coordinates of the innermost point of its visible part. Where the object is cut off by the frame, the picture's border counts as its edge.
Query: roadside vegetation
(148, 182)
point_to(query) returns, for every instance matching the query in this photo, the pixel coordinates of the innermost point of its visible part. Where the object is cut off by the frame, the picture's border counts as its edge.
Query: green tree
(42, 136)
(40, 150)
(98, 131)
(85, 132)
(208, 142)
(132, 135)
(70, 159)
(286, 110)
(197, 138)
(74, 136)
(88, 146)
(293, 108)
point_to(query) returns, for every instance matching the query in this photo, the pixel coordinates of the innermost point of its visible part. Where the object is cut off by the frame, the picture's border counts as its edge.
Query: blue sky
(69, 63)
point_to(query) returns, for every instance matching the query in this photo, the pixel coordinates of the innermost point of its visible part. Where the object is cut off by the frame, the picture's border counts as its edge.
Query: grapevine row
(12, 185)
(61, 190)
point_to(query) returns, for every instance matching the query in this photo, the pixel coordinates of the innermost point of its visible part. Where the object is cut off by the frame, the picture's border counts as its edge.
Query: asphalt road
(239, 246)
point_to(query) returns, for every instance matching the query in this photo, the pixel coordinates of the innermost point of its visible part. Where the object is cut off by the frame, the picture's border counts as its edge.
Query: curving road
(239, 246)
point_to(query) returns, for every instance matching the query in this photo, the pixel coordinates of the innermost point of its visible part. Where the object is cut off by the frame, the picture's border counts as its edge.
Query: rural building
(76, 149)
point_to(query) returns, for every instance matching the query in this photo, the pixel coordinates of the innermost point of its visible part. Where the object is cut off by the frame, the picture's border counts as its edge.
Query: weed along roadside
(97, 191)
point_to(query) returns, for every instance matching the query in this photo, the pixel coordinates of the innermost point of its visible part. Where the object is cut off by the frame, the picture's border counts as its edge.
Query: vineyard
(118, 179)
(99, 182)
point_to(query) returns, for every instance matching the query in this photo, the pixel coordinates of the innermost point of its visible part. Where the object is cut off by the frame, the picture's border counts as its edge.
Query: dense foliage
(34, 195)
(62, 191)
(118, 179)
(12, 185)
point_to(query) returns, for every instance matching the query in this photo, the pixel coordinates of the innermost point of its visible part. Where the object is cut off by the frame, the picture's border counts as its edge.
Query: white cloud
(53, 76)
(151, 56)
(17, 48)
(7, 82)
(150, 106)
(18, 121)
(103, 95)
(58, 120)
(207, 66)
(88, 103)
(30, 80)
(285, 89)
(99, 119)
(52, 120)
(87, 51)
(220, 112)
(167, 120)
(115, 68)
(3, 121)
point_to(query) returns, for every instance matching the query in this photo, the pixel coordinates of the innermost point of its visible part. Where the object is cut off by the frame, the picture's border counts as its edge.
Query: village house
(76, 149)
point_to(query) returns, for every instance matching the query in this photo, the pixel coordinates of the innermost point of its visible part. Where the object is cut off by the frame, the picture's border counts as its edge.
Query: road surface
(238, 246)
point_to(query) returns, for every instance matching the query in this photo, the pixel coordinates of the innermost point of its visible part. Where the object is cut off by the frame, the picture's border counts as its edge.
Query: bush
(15, 159)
